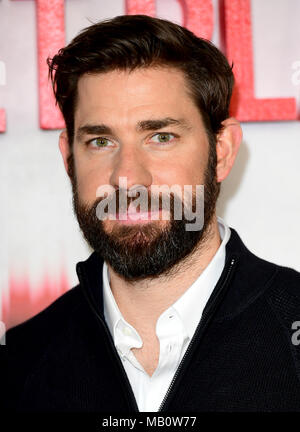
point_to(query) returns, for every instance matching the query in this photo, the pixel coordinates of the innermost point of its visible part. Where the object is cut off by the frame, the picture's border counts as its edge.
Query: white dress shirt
(174, 328)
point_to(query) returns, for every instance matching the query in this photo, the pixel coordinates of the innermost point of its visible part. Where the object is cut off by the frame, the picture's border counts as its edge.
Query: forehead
(130, 94)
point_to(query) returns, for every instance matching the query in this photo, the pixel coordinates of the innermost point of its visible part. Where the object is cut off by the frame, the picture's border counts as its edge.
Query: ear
(64, 148)
(228, 143)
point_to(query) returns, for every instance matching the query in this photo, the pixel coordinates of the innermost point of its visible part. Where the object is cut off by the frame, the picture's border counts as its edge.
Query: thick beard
(148, 250)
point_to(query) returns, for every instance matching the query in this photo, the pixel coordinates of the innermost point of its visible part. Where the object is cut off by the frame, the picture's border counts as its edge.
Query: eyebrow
(143, 125)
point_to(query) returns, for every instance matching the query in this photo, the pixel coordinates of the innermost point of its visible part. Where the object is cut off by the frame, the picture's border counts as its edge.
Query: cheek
(188, 172)
(196, 169)
(88, 181)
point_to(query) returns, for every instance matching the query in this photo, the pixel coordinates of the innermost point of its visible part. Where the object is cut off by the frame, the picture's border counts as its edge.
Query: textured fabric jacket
(243, 356)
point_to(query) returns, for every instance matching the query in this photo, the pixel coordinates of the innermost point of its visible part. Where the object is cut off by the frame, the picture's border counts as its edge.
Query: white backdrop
(40, 237)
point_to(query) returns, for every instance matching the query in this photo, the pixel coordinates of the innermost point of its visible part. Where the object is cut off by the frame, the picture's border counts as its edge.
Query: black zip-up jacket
(243, 356)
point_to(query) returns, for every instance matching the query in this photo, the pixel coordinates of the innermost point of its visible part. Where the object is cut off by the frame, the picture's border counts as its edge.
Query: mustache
(120, 201)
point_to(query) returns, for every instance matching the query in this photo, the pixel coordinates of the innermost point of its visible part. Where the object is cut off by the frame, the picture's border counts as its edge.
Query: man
(164, 317)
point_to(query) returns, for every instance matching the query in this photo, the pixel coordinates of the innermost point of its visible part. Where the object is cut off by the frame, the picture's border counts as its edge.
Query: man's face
(143, 126)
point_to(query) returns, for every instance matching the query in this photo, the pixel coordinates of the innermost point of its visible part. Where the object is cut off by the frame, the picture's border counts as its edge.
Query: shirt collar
(124, 335)
(111, 311)
(192, 302)
(197, 294)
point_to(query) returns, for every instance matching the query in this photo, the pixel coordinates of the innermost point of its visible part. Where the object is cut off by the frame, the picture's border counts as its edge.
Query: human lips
(132, 216)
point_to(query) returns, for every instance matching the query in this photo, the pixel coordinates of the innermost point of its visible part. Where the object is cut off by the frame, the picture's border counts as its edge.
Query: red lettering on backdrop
(143, 7)
(197, 14)
(51, 37)
(238, 39)
(198, 17)
(2, 111)
(2, 121)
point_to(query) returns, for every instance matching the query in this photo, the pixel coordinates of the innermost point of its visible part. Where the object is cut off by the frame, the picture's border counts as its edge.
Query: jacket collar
(250, 277)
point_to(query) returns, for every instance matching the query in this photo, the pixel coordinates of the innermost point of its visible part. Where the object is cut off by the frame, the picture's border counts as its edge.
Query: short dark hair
(128, 42)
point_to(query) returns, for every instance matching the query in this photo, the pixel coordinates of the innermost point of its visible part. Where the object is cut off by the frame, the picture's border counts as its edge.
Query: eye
(162, 137)
(99, 142)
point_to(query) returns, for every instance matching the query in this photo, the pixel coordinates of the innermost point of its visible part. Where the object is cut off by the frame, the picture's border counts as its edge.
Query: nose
(131, 164)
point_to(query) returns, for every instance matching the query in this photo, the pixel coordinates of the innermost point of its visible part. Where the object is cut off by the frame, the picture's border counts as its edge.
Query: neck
(141, 303)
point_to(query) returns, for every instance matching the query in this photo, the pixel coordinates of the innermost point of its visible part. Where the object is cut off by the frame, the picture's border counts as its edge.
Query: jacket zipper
(202, 326)
(204, 321)
(131, 399)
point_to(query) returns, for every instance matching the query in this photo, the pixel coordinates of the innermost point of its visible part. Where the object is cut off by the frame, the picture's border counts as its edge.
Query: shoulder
(258, 272)
(254, 278)
(279, 286)
(41, 328)
(281, 282)
(289, 279)
(27, 344)
(284, 294)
